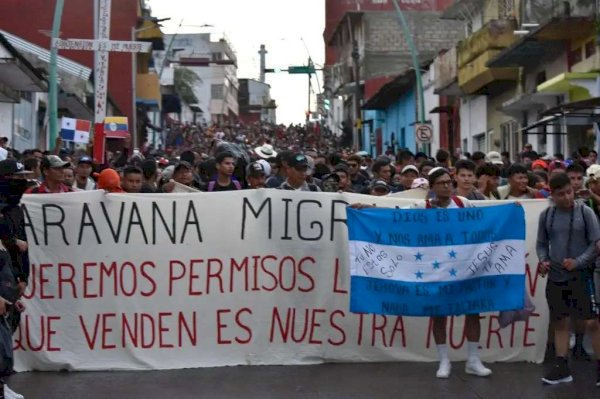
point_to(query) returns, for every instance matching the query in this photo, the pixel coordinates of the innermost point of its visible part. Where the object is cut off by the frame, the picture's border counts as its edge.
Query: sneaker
(559, 374)
(10, 394)
(475, 367)
(444, 369)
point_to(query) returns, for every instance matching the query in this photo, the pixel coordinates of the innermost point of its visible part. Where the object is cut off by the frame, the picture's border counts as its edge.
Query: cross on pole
(102, 45)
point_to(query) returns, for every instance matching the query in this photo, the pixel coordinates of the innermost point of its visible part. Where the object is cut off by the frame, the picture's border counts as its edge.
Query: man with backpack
(225, 163)
(568, 233)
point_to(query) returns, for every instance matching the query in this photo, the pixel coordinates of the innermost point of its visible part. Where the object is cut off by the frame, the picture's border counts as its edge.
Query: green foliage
(185, 80)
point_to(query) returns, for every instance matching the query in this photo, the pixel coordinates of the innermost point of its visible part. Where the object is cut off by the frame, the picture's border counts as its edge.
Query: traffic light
(326, 104)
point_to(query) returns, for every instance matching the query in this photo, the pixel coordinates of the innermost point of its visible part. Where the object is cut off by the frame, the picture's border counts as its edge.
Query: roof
(392, 91)
(19, 57)
(63, 64)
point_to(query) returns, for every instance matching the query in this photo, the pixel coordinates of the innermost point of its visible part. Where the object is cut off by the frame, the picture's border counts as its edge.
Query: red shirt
(43, 189)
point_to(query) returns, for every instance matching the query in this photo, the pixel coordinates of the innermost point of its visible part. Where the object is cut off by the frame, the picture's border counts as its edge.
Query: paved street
(375, 380)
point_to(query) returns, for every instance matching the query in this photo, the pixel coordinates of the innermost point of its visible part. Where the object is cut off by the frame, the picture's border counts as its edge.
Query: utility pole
(415, 60)
(52, 84)
(357, 97)
(263, 60)
(309, 88)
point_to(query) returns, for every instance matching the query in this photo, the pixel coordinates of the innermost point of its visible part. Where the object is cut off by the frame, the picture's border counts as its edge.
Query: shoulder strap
(584, 223)
(427, 204)
(211, 185)
(458, 201)
(237, 184)
(312, 187)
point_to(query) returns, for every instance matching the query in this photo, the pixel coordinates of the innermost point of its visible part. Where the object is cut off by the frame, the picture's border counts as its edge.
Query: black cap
(183, 164)
(85, 159)
(331, 176)
(9, 167)
(256, 169)
(298, 160)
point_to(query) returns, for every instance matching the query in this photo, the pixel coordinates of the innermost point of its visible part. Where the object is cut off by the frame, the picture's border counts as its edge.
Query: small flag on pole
(76, 130)
(116, 127)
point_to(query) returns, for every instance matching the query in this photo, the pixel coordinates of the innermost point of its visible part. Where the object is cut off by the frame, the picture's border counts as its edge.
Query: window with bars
(217, 92)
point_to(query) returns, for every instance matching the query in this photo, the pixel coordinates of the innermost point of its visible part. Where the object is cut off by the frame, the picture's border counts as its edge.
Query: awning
(579, 86)
(16, 72)
(392, 91)
(586, 107)
(147, 90)
(150, 32)
(579, 113)
(461, 9)
(520, 103)
(74, 106)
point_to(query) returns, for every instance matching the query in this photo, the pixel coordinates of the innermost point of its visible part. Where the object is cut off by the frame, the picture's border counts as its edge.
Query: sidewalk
(347, 381)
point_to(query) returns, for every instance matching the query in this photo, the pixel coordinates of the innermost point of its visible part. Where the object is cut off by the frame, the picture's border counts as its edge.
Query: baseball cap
(379, 184)
(85, 159)
(409, 168)
(330, 176)
(541, 163)
(299, 160)
(256, 169)
(183, 164)
(494, 158)
(53, 161)
(420, 182)
(10, 167)
(593, 172)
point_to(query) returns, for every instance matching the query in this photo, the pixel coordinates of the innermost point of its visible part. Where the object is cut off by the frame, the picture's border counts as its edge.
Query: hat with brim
(54, 161)
(265, 151)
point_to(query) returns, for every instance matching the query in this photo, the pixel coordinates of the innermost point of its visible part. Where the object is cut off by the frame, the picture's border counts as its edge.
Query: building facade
(215, 86)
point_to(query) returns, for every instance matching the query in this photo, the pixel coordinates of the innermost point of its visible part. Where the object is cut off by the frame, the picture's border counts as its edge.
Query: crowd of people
(311, 158)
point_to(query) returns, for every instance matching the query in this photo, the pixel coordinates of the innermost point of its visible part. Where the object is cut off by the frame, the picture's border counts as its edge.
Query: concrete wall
(473, 120)
(32, 18)
(399, 121)
(431, 101)
(495, 118)
(6, 112)
(386, 50)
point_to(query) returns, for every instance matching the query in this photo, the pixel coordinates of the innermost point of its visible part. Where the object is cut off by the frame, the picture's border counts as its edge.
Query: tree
(185, 79)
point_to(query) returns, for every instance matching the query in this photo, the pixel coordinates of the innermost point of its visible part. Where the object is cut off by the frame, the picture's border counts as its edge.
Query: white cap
(593, 172)
(408, 168)
(494, 157)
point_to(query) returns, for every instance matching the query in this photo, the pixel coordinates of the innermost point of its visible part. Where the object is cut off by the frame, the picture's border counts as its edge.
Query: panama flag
(437, 262)
(76, 130)
(116, 127)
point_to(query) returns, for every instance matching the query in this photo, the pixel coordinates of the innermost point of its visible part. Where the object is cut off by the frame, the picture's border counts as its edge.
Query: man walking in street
(296, 175)
(83, 171)
(440, 183)
(566, 247)
(53, 172)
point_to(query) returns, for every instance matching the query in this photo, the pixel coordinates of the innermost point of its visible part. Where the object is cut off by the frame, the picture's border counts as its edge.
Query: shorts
(573, 298)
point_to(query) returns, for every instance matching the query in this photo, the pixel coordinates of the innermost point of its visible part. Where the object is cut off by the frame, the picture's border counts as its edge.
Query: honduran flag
(76, 130)
(116, 127)
(437, 262)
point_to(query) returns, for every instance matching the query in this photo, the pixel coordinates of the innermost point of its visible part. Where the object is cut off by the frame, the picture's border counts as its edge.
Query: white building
(255, 102)
(215, 65)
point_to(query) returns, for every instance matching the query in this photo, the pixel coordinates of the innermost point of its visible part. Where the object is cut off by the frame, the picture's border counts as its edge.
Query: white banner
(164, 281)
(102, 45)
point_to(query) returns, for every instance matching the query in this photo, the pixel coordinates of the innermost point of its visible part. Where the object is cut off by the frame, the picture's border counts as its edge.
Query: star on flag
(436, 265)
(453, 272)
(419, 275)
(452, 254)
(419, 256)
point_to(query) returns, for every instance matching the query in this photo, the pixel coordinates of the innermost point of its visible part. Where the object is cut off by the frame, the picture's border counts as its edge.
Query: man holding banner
(566, 247)
(441, 185)
(450, 261)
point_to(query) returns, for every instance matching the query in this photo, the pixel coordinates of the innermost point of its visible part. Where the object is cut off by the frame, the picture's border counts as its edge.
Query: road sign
(305, 69)
(102, 45)
(423, 133)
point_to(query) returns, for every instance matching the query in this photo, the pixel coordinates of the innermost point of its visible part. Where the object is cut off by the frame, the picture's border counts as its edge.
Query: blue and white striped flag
(437, 262)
